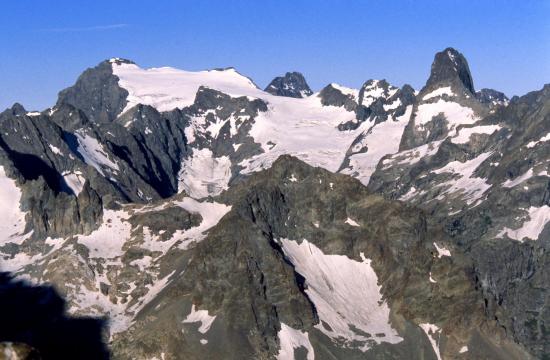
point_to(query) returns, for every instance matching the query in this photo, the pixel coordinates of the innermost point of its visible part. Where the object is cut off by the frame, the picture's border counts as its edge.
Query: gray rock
(331, 96)
(492, 97)
(450, 66)
(97, 93)
(293, 84)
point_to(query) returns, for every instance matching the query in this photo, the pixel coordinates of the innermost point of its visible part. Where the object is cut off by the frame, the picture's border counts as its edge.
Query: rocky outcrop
(35, 152)
(491, 97)
(450, 68)
(335, 95)
(97, 93)
(293, 84)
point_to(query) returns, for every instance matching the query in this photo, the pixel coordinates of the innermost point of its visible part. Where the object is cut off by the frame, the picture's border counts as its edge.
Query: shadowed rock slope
(248, 283)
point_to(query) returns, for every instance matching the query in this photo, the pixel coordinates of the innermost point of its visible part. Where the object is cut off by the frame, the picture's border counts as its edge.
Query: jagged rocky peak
(337, 95)
(450, 68)
(375, 89)
(407, 93)
(97, 92)
(293, 84)
(447, 101)
(492, 97)
(17, 109)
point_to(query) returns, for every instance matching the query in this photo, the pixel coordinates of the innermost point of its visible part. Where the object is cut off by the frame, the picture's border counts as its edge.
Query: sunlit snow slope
(302, 127)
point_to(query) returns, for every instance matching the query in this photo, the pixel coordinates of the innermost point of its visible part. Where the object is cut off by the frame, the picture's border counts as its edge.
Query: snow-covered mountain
(203, 217)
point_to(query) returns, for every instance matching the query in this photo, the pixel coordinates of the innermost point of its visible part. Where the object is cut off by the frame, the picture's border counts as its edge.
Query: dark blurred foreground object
(34, 325)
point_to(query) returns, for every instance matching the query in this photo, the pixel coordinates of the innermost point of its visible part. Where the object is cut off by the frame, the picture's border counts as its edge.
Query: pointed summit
(18, 109)
(293, 84)
(450, 68)
(97, 92)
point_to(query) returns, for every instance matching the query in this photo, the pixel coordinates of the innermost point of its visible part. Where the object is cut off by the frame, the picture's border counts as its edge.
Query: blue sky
(45, 45)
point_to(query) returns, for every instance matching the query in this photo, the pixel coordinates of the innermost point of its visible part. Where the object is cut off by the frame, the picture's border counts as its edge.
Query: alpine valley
(191, 215)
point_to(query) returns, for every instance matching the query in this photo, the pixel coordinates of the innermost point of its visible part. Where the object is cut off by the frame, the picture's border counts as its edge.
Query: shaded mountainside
(199, 216)
(493, 178)
(258, 257)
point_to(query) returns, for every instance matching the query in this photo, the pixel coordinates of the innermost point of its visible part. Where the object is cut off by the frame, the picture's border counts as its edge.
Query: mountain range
(197, 216)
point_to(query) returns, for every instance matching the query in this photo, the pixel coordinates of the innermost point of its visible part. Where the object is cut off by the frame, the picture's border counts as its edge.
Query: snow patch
(346, 295)
(210, 212)
(467, 185)
(412, 156)
(106, 242)
(200, 316)
(532, 227)
(518, 180)
(438, 92)
(13, 222)
(454, 113)
(75, 181)
(351, 222)
(93, 153)
(463, 135)
(291, 339)
(202, 174)
(55, 150)
(442, 251)
(433, 334)
(532, 144)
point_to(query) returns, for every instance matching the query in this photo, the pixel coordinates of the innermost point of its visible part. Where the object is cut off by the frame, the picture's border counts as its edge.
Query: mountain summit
(450, 67)
(293, 84)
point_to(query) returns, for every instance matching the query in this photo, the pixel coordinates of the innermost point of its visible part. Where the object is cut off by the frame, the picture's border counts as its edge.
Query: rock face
(450, 67)
(404, 225)
(293, 84)
(97, 93)
(492, 97)
(339, 96)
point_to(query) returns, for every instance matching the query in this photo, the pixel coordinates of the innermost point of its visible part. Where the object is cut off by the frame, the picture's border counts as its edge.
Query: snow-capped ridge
(167, 88)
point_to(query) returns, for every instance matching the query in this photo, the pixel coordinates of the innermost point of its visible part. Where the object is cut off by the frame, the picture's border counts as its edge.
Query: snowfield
(13, 223)
(346, 296)
(301, 127)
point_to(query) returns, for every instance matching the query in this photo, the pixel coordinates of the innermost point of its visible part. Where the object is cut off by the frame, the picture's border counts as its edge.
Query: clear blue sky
(45, 45)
